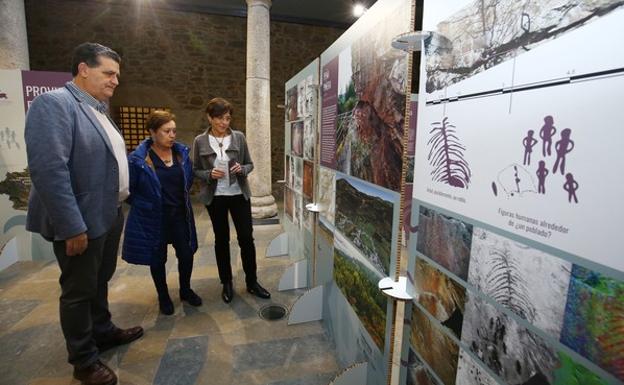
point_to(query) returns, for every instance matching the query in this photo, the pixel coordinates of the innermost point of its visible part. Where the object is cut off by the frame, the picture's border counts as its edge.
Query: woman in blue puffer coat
(161, 176)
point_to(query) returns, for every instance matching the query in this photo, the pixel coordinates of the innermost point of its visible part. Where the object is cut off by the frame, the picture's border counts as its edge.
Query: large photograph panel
(529, 282)
(369, 81)
(364, 214)
(357, 278)
(445, 240)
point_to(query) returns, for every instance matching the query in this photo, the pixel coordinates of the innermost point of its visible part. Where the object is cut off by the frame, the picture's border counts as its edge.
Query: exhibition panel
(17, 91)
(514, 263)
(517, 265)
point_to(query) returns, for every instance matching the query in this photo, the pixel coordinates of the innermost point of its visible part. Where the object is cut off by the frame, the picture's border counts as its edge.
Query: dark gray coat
(204, 158)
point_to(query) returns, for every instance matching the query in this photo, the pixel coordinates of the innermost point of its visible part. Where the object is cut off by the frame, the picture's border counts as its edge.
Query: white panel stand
(353, 375)
(278, 246)
(295, 277)
(399, 291)
(9, 253)
(308, 307)
(314, 209)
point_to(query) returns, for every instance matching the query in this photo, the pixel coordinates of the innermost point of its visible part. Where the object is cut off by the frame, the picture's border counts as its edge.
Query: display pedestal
(295, 276)
(308, 307)
(278, 247)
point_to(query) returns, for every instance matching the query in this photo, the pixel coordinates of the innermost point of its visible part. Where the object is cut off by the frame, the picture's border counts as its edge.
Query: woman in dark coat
(161, 175)
(222, 162)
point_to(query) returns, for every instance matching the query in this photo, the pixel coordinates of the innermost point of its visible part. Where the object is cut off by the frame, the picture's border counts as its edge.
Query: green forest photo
(364, 214)
(358, 283)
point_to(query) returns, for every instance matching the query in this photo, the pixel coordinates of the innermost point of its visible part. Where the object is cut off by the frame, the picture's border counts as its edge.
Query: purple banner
(35, 83)
(329, 94)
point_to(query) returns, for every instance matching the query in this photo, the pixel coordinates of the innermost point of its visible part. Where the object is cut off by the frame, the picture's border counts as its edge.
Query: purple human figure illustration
(13, 139)
(528, 142)
(571, 186)
(541, 173)
(546, 133)
(562, 147)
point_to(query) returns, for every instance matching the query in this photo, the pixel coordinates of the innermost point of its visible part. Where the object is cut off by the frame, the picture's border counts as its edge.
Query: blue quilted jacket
(143, 227)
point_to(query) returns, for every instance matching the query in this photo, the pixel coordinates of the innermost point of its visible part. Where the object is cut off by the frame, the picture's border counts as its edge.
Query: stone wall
(173, 58)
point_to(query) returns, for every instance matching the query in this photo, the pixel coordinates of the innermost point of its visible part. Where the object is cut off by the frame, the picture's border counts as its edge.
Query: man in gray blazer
(79, 171)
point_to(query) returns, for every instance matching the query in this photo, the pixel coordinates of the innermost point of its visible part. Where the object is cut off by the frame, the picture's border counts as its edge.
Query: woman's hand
(216, 173)
(236, 168)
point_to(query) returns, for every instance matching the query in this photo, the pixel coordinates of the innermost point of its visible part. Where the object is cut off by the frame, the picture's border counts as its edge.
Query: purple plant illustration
(446, 156)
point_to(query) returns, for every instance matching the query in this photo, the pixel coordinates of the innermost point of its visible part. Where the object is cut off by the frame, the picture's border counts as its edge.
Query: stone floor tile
(214, 344)
(182, 361)
(12, 311)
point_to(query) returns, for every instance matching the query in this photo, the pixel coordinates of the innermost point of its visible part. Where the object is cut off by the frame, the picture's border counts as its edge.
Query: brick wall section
(173, 58)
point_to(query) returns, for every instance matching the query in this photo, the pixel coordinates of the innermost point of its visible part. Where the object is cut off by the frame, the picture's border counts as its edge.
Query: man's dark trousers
(84, 293)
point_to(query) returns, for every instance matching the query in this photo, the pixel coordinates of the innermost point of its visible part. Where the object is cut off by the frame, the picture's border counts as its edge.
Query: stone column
(13, 38)
(258, 114)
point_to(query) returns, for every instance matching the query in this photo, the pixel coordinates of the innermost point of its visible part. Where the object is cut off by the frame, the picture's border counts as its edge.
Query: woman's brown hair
(218, 107)
(157, 118)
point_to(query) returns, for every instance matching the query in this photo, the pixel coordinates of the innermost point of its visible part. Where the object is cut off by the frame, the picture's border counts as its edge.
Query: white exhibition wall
(17, 89)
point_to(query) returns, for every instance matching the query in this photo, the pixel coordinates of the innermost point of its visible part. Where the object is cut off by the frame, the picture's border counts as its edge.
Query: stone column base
(263, 207)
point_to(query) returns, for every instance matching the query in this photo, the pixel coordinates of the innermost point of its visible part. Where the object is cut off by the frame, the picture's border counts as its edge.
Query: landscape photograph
(326, 194)
(442, 297)
(486, 33)
(435, 347)
(364, 214)
(417, 372)
(357, 279)
(372, 84)
(445, 240)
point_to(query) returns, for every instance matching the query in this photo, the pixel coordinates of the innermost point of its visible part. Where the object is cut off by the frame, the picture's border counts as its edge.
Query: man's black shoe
(258, 291)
